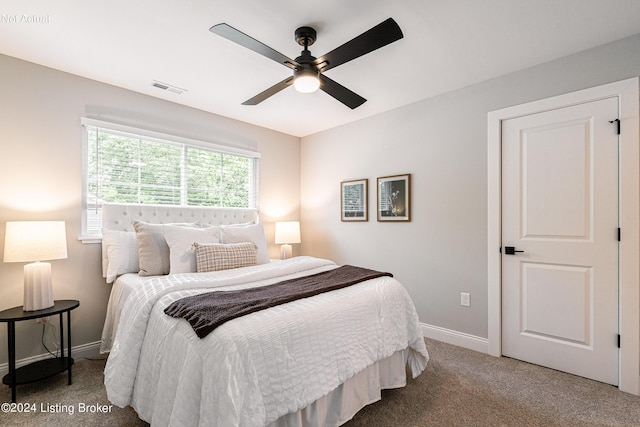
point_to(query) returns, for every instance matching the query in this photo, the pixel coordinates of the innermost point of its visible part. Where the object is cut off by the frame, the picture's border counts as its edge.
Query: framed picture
(353, 201)
(394, 198)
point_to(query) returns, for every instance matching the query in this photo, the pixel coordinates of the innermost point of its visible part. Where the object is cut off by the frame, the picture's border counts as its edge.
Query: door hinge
(618, 234)
(618, 340)
(617, 121)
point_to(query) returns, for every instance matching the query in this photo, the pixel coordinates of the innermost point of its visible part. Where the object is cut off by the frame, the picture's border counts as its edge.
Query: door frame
(628, 93)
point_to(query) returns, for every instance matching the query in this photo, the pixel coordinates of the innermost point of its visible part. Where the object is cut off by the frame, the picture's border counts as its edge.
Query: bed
(310, 362)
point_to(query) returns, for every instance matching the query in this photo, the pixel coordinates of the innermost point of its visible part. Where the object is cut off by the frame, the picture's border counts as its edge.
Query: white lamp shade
(287, 232)
(27, 241)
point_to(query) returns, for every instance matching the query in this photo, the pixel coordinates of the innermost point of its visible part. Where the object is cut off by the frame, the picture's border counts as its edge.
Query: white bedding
(120, 290)
(255, 369)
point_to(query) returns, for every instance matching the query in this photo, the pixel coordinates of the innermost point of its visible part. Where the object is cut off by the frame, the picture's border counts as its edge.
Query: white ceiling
(447, 44)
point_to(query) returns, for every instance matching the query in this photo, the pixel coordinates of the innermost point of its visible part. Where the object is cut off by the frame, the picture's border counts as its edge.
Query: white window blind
(125, 165)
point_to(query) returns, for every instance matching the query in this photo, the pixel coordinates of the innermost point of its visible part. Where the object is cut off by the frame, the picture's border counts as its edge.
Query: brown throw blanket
(205, 312)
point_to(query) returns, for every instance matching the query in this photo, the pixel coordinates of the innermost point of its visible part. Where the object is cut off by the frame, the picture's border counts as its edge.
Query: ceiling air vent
(167, 87)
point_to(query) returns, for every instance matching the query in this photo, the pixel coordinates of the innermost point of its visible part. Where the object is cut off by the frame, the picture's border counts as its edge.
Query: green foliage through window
(126, 168)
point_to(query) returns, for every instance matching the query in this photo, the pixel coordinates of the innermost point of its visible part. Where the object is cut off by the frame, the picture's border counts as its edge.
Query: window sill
(88, 239)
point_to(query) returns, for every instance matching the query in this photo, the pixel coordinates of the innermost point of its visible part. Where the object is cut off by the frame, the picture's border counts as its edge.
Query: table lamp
(287, 232)
(33, 242)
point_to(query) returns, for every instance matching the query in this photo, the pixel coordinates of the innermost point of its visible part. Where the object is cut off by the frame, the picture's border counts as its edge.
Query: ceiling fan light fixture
(306, 81)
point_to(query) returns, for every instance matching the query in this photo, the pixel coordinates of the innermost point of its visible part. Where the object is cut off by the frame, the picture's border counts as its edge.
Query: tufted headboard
(120, 216)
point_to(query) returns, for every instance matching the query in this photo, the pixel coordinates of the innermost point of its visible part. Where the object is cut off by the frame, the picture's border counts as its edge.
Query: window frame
(88, 237)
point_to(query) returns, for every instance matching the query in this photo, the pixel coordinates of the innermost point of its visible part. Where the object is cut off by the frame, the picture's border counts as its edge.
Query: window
(126, 165)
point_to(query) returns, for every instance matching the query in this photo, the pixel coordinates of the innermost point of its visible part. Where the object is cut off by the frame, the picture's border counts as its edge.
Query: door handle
(510, 250)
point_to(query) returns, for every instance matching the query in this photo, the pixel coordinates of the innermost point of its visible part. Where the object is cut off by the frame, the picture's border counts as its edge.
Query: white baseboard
(459, 339)
(91, 349)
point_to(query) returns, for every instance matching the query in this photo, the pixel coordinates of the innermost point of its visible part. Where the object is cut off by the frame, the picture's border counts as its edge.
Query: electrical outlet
(465, 299)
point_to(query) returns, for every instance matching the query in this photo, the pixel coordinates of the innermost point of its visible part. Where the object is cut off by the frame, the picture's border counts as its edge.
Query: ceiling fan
(308, 71)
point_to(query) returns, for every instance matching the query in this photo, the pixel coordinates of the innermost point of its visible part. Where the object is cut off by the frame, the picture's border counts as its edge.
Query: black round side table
(41, 369)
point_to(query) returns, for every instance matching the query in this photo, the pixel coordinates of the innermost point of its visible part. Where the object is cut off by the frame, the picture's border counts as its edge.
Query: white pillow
(250, 233)
(182, 258)
(121, 249)
(153, 252)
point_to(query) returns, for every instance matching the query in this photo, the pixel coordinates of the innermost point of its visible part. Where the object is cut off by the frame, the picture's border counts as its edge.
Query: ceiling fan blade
(236, 36)
(269, 92)
(341, 93)
(381, 35)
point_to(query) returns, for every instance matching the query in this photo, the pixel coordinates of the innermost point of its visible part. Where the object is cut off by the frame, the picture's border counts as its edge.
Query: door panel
(546, 153)
(571, 287)
(560, 207)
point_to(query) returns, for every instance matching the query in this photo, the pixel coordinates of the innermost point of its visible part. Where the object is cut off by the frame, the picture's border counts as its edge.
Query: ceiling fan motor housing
(306, 63)
(305, 70)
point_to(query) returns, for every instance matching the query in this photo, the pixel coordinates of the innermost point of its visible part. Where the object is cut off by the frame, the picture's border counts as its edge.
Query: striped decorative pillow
(219, 256)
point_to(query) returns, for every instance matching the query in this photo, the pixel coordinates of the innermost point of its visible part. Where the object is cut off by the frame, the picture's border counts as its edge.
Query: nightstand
(41, 369)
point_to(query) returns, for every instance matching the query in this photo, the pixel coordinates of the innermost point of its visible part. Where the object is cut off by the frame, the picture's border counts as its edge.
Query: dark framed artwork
(394, 198)
(354, 201)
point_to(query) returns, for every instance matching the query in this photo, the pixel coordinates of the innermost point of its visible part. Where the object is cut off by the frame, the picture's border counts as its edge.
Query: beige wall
(41, 171)
(442, 143)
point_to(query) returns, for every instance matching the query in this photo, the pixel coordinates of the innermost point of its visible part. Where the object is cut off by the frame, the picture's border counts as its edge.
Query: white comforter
(254, 369)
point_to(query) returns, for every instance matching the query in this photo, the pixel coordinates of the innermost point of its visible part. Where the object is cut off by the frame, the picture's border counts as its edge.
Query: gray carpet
(459, 388)
(87, 389)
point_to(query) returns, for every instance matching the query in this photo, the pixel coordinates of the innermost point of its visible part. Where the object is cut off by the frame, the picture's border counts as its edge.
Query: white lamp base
(285, 251)
(38, 291)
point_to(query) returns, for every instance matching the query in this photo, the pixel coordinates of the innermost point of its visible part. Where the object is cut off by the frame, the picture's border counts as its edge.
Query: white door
(560, 208)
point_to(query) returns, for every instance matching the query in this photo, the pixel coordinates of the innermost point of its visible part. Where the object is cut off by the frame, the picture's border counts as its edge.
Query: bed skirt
(364, 388)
